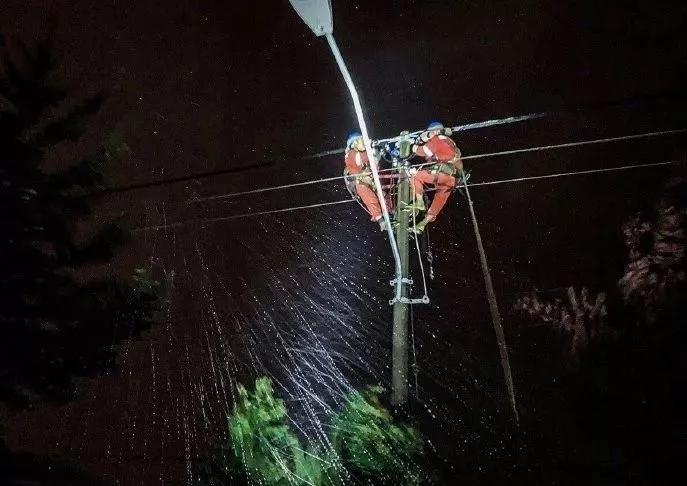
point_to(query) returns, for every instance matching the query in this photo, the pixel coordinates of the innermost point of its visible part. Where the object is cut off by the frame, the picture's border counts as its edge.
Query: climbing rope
(425, 296)
(429, 254)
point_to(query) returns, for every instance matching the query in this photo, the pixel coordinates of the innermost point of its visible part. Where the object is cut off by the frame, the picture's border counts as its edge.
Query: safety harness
(437, 167)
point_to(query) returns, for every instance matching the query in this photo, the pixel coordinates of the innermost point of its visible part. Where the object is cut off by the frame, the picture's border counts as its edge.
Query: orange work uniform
(443, 151)
(358, 164)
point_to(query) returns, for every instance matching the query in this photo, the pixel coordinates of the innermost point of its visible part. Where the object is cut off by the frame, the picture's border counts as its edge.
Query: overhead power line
(467, 157)
(176, 180)
(578, 172)
(244, 215)
(473, 126)
(257, 165)
(458, 128)
(345, 201)
(578, 144)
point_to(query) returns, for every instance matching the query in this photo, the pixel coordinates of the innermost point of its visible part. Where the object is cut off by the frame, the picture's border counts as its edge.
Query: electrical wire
(459, 128)
(344, 201)
(578, 172)
(577, 144)
(425, 295)
(472, 126)
(467, 157)
(237, 216)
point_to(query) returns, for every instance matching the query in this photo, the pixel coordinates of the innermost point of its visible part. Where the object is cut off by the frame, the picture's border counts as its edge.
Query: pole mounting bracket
(406, 300)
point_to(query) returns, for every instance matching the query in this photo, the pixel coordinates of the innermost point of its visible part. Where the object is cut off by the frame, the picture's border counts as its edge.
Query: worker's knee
(450, 182)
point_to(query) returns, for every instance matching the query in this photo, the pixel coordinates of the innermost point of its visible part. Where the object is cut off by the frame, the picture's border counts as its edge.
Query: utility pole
(317, 14)
(399, 364)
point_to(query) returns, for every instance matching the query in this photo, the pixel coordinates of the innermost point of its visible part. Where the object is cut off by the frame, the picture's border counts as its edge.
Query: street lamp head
(317, 14)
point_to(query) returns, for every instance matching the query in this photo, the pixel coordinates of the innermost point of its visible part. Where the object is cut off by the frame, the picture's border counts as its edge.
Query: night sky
(196, 87)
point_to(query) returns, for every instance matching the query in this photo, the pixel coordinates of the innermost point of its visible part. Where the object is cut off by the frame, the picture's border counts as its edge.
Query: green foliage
(368, 440)
(54, 326)
(367, 444)
(264, 443)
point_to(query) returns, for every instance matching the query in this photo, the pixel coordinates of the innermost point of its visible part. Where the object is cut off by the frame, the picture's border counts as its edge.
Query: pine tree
(53, 326)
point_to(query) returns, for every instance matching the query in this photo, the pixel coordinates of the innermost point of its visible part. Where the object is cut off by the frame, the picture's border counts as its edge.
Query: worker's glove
(412, 171)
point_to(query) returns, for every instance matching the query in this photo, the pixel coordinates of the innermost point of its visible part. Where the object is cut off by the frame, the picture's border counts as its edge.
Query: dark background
(198, 86)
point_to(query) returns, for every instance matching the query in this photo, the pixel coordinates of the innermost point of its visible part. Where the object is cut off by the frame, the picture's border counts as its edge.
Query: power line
(345, 201)
(576, 144)
(257, 165)
(265, 189)
(467, 157)
(175, 180)
(236, 216)
(469, 126)
(459, 128)
(579, 172)
(473, 126)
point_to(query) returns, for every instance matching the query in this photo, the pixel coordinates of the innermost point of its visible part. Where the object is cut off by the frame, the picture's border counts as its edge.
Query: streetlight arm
(370, 153)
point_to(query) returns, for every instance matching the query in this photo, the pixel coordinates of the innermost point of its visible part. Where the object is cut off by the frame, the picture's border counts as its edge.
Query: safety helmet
(435, 125)
(352, 138)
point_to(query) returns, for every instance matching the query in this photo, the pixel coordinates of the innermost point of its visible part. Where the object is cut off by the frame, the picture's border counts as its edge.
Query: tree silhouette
(54, 326)
(656, 249)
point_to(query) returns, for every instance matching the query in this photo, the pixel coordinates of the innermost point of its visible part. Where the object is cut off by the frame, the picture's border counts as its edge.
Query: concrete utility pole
(399, 365)
(317, 14)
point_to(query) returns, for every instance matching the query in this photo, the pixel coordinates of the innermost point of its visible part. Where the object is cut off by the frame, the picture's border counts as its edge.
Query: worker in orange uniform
(443, 156)
(358, 169)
